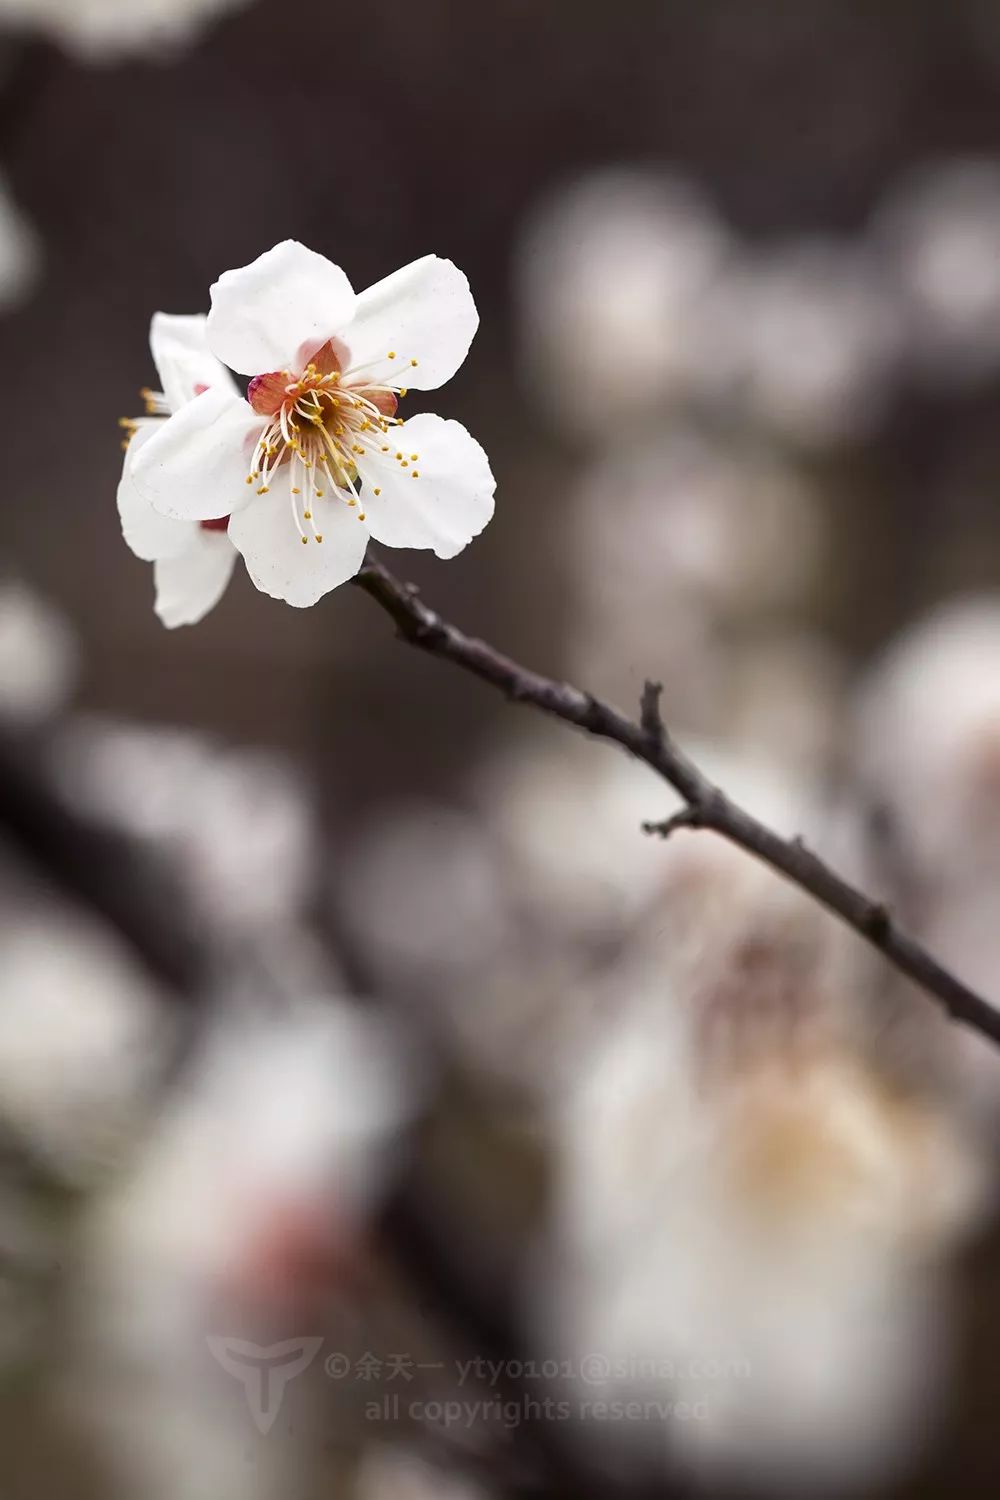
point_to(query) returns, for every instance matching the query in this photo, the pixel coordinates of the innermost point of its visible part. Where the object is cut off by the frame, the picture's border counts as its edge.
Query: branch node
(878, 921)
(691, 816)
(650, 718)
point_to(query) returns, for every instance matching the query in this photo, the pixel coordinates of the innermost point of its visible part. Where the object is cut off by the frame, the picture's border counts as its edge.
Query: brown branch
(705, 805)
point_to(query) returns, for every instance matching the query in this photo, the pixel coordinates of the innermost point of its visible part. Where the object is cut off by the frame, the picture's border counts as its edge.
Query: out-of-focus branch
(98, 868)
(705, 804)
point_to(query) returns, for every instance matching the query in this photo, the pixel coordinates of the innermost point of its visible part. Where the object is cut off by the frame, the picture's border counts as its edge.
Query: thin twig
(705, 804)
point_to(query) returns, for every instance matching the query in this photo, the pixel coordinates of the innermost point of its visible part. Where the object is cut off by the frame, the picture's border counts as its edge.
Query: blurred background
(341, 1000)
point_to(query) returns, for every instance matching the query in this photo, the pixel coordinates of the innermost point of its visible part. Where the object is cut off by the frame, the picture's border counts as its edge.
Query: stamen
(328, 436)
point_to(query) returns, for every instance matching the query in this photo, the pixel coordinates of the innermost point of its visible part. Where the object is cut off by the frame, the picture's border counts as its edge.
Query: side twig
(705, 804)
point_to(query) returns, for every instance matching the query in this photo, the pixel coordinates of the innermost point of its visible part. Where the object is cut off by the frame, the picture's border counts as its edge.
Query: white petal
(149, 534)
(275, 313)
(276, 559)
(183, 359)
(188, 586)
(194, 466)
(424, 312)
(449, 502)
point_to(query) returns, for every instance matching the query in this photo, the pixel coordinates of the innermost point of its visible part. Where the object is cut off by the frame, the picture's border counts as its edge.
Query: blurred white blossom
(567, 817)
(82, 1038)
(245, 1215)
(929, 726)
(807, 336)
(20, 248)
(939, 232)
(927, 754)
(39, 658)
(612, 275)
(699, 536)
(786, 697)
(750, 1217)
(453, 923)
(109, 29)
(390, 1472)
(239, 825)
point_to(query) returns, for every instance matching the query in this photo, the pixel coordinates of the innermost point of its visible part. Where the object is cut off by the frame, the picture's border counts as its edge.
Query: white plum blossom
(99, 30)
(192, 560)
(315, 460)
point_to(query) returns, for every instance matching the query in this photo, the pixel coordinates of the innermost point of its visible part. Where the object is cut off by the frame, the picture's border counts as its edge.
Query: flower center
(323, 423)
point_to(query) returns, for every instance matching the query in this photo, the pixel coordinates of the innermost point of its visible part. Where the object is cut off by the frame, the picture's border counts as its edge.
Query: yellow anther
(414, 456)
(303, 540)
(319, 538)
(413, 362)
(125, 443)
(249, 479)
(361, 515)
(263, 490)
(404, 463)
(352, 500)
(399, 455)
(392, 354)
(415, 474)
(385, 447)
(402, 390)
(296, 490)
(320, 494)
(376, 492)
(126, 422)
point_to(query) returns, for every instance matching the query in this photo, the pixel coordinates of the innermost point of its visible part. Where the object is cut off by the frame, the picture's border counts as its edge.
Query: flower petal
(189, 585)
(276, 312)
(277, 561)
(423, 312)
(149, 534)
(183, 359)
(448, 502)
(194, 466)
